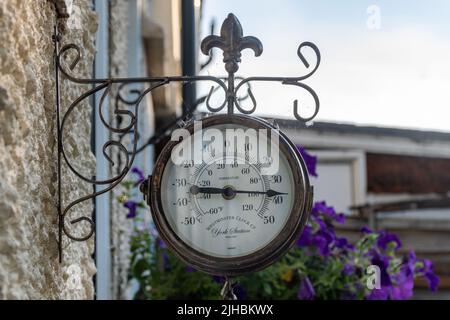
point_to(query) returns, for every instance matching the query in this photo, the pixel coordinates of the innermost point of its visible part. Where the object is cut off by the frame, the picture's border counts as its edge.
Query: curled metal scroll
(126, 105)
(163, 132)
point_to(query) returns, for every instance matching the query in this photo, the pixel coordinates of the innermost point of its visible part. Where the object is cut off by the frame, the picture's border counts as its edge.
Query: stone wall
(29, 267)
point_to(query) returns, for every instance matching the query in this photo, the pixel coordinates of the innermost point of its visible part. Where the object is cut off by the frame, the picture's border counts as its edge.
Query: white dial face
(223, 207)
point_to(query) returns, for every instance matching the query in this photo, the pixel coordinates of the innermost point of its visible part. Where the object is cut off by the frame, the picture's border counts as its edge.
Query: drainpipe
(188, 52)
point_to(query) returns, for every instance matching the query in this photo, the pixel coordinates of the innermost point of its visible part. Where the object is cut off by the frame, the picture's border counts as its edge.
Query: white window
(341, 180)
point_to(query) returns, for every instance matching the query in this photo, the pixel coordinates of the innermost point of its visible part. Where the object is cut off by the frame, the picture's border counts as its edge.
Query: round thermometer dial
(235, 209)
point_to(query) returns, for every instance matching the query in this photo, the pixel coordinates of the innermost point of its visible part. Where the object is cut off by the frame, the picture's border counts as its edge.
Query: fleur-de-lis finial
(232, 42)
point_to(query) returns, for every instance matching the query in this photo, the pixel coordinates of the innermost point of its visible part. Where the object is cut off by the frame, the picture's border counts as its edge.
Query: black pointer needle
(269, 193)
(196, 190)
(229, 191)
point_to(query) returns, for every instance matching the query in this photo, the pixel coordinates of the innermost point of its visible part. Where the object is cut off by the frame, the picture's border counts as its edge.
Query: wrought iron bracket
(231, 41)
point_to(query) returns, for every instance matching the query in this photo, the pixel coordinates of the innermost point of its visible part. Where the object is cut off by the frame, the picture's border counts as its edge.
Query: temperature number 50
(269, 219)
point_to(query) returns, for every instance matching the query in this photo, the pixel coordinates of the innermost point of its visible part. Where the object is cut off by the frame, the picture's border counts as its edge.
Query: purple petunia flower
(139, 173)
(400, 285)
(366, 229)
(310, 160)
(404, 287)
(432, 278)
(383, 263)
(320, 222)
(339, 218)
(385, 238)
(305, 237)
(379, 294)
(306, 290)
(404, 279)
(433, 281)
(321, 233)
(342, 243)
(131, 206)
(348, 269)
(321, 208)
(409, 263)
(323, 240)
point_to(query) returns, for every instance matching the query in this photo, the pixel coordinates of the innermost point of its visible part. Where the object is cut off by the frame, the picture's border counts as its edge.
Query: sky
(384, 63)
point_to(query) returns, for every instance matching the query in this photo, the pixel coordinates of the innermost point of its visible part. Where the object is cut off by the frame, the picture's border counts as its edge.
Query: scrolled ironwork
(293, 81)
(127, 101)
(232, 42)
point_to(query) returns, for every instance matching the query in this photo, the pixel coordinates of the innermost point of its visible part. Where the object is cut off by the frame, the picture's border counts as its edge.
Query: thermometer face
(226, 207)
(224, 213)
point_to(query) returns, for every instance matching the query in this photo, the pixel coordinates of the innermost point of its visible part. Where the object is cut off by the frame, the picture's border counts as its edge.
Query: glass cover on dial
(223, 207)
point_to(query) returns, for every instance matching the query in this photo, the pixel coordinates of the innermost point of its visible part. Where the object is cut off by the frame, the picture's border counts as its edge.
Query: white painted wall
(102, 218)
(334, 185)
(341, 180)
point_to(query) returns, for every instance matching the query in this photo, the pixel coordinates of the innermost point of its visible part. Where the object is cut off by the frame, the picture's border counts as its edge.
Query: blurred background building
(388, 179)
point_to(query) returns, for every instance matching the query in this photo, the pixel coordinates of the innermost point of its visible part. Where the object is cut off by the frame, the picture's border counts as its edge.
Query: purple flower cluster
(400, 285)
(320, 241)
(320, 234)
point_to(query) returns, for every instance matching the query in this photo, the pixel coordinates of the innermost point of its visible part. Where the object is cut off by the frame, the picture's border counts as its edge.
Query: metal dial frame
(261, 258)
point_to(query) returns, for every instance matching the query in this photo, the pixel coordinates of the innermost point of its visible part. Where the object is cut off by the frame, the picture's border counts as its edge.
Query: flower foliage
(335, 269)
(129, 194)
(322, 265)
